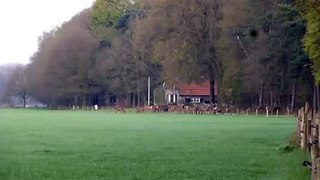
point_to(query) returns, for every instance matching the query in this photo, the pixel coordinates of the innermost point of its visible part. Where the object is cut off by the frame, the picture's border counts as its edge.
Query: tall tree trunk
(293, 98)
(261, 96)
(24, 102)
(315, 97)
(138, 95)
(252, 101)
(129, 99)
(134, 100)
(138, 82)
(84, 103)
(271, 97)
(318, 98)
(211, 84)
(212, 90)
(24, 98)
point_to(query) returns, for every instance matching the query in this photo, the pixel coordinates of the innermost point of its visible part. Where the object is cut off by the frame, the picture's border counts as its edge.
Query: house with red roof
(190, 93)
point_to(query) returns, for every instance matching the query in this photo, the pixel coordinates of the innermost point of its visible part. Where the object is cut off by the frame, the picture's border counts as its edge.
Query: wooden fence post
(309, 130)
(299, 120)
(316, 132)
(311, 144)
(304, 127)
(318, 168)
(308, 125)
(314, 141)
(302, 130)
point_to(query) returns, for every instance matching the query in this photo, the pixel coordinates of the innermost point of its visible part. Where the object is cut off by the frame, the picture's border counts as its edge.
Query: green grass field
(39, 145)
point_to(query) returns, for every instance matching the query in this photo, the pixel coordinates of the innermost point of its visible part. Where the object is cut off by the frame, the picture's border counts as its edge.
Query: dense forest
(260, 53)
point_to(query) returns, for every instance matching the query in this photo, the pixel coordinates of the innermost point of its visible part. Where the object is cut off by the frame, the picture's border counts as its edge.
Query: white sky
(23, 21)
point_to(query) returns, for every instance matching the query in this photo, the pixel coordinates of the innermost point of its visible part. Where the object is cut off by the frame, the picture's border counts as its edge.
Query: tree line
(260, 53)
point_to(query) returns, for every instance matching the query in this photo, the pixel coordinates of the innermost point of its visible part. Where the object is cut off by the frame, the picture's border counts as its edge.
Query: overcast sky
(23, 21)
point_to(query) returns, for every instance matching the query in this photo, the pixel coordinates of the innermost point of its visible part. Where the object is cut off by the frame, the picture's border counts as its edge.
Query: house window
(172, 98)
(196, 100)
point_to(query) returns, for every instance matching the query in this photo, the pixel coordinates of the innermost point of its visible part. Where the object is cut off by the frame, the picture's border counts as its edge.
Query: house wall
(195, 99)
(172, 96)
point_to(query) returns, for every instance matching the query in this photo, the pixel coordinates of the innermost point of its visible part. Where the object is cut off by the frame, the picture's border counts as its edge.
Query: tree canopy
(310, 10)
(258, 52)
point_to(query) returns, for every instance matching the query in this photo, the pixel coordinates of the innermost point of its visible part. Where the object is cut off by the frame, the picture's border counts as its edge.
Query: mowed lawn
(39, 145)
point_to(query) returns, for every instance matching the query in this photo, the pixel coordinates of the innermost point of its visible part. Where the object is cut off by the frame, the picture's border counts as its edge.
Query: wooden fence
(308, 132)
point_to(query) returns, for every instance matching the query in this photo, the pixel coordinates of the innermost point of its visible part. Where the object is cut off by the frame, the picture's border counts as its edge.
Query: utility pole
(149, 89)
(154, 97)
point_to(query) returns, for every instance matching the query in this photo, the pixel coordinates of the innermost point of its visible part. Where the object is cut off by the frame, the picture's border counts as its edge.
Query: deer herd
(201, 109)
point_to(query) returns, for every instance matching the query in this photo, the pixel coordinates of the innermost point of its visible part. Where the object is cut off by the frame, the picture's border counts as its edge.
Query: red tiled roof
(193, 89)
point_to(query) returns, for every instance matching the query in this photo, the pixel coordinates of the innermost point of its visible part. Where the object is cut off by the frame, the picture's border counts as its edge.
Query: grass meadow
(57, 145)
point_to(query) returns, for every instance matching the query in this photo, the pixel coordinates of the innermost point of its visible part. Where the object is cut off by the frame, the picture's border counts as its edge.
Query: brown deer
(140, 109)
(119, 108)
